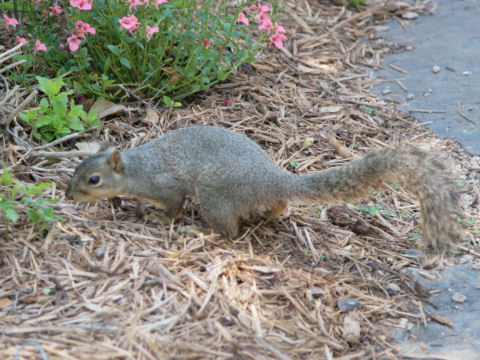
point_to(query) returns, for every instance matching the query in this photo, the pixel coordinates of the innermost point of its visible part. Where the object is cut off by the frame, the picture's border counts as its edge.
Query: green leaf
(107, 64)
(44, 120)
(76, 111)
(49, 87)
(11, 214)
(77, 126)
(114, 50)
(25, 118)
(167, 101)
(59, 108)
(308, 141)
(126, 63)
(7, 177)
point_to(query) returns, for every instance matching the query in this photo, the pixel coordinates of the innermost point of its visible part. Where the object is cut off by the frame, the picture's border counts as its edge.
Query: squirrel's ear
(104, 146)
(115, 161)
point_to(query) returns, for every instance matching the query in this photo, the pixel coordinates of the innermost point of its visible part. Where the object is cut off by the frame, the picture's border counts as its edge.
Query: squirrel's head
(98, 177)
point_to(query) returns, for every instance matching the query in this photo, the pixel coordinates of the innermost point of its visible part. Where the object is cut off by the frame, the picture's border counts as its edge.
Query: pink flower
(129, 23)
(21, 40)
(242, 19)
(134, 3)
(82, 4)
(10, 21)
(266, 24)
(206, 43)
(263, 8)
(74, 42)
(277, 39)
(82, 28)
(55, 10)
(151, 31)
(39, 46)
(158, 2)
(250, 8)
(279, 28)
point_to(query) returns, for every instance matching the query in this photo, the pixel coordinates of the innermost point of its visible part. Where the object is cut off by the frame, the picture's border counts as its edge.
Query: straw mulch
(106, 284)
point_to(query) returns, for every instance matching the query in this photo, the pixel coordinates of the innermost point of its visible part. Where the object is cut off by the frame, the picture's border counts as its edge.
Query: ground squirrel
(233, 178)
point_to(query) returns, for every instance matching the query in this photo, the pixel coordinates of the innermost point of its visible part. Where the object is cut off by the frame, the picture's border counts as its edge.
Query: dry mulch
(106, 284)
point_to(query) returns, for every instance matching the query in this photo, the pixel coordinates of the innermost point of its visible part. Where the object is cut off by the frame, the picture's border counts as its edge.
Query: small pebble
(393, 289)
(101, 251)
(421, 289)
(458, 298)
(386, 91)
(410, 96)
(436, 69)
(410, 15)
(316, 292)
(466, 73)
(348, 304)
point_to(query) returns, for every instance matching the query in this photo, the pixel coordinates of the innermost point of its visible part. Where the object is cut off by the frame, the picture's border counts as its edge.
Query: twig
(398, 69)
(426, 111)
(59, 141)
(465, 116)
(128, 92)
(19, 108)
(9, 95)
(403, 87)
(6, 68)
(2, 60)
(19, 46)
(60, 154)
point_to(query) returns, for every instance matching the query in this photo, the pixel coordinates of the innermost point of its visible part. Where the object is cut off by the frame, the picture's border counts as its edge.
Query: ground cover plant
(15, 197)
(56, 116)
(157, 48)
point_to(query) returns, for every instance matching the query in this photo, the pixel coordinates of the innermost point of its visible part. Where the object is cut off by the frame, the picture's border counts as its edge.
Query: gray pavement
(439, 341)
(449, 39)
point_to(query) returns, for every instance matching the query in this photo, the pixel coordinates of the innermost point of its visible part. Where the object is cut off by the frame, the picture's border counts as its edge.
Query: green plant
(356, 2)
(373, 210)
(36, 207)
(370, 111)
(55, 117)
(465, 223)
(155, 48)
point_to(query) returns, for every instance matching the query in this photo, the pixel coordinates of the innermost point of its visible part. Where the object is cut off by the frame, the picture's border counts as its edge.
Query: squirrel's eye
(94, 180)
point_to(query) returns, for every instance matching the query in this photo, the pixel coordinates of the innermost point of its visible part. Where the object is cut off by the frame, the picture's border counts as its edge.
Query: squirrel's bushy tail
(414, 169)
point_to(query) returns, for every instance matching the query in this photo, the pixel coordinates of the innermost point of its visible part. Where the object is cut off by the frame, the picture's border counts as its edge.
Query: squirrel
(234, 178)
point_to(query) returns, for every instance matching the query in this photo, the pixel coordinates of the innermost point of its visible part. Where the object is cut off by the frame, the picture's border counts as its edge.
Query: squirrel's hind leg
(220, 214)
(276, 209)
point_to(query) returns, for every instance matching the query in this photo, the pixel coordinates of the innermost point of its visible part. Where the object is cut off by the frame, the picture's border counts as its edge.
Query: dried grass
(108, 285)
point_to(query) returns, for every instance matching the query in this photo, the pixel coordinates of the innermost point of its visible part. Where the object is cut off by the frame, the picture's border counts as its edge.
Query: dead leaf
(441, 320)
(106, 108)
(351, 327)
(5, 302)
(151, 117)
(91, 147)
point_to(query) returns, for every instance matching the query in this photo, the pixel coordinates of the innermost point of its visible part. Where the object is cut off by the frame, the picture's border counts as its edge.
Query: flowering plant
(155, 48)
